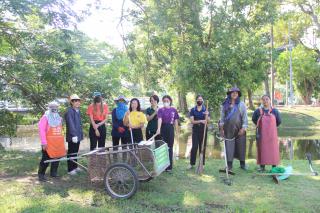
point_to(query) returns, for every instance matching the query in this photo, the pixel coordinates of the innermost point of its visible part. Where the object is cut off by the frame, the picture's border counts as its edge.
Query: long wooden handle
(205, 128)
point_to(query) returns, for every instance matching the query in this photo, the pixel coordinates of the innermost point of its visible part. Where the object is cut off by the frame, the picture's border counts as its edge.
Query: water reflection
(182, 146)
(214, 147)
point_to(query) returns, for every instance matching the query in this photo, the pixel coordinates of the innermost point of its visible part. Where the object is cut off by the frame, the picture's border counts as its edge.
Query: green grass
(300, 117)
(181, 191)
(297, 118)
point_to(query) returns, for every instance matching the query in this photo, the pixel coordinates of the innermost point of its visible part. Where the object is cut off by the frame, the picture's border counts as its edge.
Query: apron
(268, 144)
(235, 148)
(55, 142)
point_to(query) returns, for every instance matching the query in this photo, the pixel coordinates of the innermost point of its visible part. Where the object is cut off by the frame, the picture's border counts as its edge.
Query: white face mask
(166, 104)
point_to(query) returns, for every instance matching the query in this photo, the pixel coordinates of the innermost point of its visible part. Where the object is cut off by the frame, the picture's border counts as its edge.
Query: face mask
(54, 110)
(199, 103)
(121, 104)
(166, 104)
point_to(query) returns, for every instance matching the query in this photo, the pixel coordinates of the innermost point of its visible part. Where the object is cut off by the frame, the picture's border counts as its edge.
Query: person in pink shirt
(52, 141)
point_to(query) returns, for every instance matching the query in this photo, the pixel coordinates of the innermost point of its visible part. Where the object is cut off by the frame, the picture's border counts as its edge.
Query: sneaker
(73, 172)
(190, 167)
(169, 170)
(78, 169)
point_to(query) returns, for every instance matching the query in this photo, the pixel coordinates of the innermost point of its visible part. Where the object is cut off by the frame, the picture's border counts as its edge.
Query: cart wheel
(121, 181)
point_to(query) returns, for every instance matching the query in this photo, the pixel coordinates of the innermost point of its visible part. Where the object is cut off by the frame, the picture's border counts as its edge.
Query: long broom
(199, 169)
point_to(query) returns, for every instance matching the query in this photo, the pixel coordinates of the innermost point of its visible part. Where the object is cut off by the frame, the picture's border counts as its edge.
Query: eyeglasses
(75, 100)
(54, 110)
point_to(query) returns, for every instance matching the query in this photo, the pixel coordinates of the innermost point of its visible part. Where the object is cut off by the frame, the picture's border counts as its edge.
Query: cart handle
(152, 138)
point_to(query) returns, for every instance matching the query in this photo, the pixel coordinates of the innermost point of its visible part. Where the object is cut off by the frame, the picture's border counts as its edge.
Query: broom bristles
(199, 169)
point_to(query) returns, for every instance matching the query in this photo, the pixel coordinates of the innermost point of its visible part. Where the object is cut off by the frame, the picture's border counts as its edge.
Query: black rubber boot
(42, 178)
(243, 165)
(54, 169)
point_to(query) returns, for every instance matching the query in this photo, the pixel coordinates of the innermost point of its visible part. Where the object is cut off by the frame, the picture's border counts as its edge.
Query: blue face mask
(121, 109)
(121, 104)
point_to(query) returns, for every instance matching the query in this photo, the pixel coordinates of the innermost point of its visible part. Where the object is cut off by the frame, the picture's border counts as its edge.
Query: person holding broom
(199, 117)
(233, 124)
(135, 120)
(98, 114)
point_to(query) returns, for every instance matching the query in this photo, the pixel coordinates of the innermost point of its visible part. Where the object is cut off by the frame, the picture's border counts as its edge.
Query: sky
(102, 23)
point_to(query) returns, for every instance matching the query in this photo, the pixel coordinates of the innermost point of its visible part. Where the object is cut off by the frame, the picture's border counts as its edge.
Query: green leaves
(306, 71)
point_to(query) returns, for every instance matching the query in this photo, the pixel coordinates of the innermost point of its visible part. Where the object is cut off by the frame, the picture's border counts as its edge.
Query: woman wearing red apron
(52, 140)
(267, 119)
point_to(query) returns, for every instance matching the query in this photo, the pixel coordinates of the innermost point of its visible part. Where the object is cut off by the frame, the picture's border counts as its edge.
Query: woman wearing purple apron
(267, 119)
(233, 124)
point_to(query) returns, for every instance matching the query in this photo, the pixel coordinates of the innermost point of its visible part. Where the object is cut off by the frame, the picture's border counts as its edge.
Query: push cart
(121, 168)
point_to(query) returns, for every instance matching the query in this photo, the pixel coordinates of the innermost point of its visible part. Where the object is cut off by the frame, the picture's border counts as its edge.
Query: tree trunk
(250, 99)
(307, 98)
(182, 102)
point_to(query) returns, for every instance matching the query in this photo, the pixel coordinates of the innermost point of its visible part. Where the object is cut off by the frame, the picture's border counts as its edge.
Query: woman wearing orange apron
(52, 141)
(267, 119)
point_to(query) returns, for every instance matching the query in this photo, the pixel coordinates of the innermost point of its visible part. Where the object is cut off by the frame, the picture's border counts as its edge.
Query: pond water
(304, 141)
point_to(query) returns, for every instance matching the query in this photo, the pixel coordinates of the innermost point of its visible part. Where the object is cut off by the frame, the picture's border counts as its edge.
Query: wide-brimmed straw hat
(121, 97)
(234, 89)
(53, 105)
(74, 97)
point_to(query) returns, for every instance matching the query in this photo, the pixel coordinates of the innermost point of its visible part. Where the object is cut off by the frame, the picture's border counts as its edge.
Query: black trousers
(137, 135)
(197, 138)
(73, 149)
(43, 166)
(94, 140)
(149, 135)
(167, 134)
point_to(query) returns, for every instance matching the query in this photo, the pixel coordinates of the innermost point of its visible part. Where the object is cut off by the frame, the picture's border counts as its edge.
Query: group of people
(233, 125)
(128, 124)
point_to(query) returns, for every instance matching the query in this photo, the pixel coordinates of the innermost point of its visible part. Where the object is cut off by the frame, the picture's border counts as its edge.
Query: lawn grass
(300, 117)
(180, 191)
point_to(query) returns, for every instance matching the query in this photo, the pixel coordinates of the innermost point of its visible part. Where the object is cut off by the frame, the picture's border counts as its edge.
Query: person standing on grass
(152, 118)
(168, 118)
(135, 120)
(74, 132)
(52, 141)
(98, 113)
(267, 119)
(198, 121)
(233, 124)
(119, 130)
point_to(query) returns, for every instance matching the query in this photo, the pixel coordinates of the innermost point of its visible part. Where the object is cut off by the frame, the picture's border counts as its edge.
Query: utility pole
(272, 67)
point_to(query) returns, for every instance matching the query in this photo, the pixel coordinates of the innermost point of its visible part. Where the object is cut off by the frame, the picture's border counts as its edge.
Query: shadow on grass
(18, 163)
(297, 120)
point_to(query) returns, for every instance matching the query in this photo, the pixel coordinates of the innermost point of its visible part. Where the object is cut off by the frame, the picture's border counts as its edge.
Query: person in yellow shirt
(135, 120)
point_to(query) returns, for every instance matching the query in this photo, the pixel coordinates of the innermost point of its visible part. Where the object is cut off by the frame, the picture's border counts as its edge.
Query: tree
(191, 51)
(306, 75)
